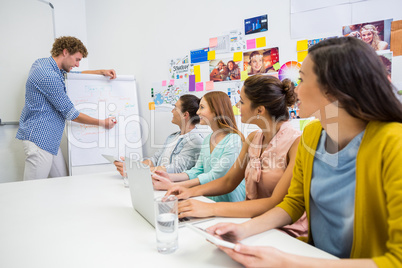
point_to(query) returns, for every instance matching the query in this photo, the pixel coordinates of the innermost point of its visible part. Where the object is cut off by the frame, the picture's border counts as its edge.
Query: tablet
(211, 238)
(111, 158)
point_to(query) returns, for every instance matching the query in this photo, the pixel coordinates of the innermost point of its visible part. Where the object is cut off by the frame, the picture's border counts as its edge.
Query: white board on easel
(100, 97)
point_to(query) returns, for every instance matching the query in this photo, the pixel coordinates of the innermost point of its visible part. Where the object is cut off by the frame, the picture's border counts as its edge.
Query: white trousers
(40, 164)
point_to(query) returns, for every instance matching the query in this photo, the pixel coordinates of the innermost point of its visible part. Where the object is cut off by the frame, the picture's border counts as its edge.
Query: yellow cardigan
(377, 230)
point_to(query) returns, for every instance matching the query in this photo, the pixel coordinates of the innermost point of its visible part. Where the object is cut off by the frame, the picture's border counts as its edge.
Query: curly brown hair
(72, 44)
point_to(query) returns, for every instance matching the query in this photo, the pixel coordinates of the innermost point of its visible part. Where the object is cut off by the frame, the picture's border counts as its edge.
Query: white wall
(139, 37)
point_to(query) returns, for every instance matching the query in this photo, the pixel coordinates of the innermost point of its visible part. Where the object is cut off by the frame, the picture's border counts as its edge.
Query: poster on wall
(386, 58)
(167, 94)
(237, 41)
(312, 42)
(256, 24)
(199, 55)
(220, 44)
(224, 69)
(377, 33)
(260, 61)
(179, 68)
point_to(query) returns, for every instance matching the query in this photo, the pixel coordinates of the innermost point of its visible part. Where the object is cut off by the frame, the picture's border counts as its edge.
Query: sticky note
(213, 42)
(211, 55)
(302, 45)
(243, 75)
(151, 105)
(236, 110)
(238, 56)
(199, 86)
(301, 55)
(191, 83)
(250, 43)
(171, 82)
(209, 85)
(261, 42)
(276, 66)
(164, 83)
(197, 73)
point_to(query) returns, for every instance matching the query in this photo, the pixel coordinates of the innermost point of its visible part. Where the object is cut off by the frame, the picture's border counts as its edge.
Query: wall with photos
(142, 38)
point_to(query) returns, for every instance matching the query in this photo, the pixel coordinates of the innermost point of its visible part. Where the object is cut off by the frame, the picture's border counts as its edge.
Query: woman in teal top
(218, 153)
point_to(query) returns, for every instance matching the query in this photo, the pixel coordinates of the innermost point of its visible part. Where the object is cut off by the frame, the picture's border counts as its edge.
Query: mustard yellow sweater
(377, 230)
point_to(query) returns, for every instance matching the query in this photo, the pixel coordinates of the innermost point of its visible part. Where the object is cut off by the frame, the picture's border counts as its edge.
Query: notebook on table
(142, 193)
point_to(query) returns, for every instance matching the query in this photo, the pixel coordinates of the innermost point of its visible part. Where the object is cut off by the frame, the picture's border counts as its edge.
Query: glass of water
(166, 224)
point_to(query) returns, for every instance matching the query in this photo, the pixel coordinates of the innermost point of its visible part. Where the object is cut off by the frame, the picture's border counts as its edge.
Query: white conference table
(89, 221)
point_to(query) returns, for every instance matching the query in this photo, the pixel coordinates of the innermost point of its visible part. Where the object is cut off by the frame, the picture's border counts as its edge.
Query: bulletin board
(100, 97)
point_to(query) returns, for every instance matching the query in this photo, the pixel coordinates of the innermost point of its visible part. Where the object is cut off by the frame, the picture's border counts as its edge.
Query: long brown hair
(219, 103)
(350, 71)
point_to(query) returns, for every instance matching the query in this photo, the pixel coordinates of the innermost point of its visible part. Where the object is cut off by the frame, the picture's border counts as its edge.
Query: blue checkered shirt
(47, 106)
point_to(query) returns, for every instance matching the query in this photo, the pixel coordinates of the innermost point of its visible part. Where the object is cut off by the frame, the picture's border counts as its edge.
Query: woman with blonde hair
(369, 34)
(218, 152)
(255, 63)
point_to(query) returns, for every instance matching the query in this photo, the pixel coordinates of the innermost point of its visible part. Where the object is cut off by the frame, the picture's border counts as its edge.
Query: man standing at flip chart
(47, 107)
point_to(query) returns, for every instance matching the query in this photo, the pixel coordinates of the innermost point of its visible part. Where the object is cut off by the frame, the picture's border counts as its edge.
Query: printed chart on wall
(290, 70)
(168, 92)
(100, 97)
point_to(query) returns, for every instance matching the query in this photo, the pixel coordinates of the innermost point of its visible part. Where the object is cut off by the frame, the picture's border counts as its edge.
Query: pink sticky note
(171, 82)
(213, 42)
(250, 43)
(199, 86)
(209, 85)
(164, 83)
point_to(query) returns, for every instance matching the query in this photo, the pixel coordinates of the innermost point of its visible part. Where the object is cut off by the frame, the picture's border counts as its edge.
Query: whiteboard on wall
(100, 97)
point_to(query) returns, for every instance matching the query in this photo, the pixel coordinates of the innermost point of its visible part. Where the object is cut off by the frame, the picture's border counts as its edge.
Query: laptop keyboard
(184, 219)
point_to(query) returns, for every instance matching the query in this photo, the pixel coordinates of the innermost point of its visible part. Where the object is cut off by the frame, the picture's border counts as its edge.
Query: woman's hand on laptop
(195, 208)
(180, 192)
(161, 181)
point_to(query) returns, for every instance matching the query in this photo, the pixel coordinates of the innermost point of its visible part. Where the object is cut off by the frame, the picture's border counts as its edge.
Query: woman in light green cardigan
(218, 152)
(347, 175)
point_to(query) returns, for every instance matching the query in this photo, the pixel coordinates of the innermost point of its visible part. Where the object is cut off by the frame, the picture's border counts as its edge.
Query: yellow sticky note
(276, 66)
(197, 73)
(301, 55)
(236, 110)
(261, 42)
(243, 75)
(302, 45)
(211, 55)
(151, 105)
(237, 56)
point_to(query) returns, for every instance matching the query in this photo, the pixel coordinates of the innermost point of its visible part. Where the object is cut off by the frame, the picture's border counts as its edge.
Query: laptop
(142, 193)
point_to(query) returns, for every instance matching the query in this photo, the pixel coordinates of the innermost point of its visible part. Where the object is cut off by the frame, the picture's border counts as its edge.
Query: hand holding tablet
(111, 158)
(213, 239)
